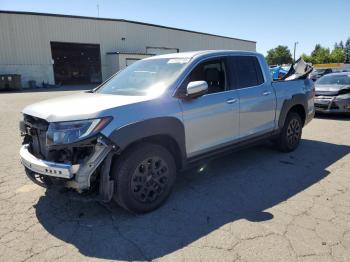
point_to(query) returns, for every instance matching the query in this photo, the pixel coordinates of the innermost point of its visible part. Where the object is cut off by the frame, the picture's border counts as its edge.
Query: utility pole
(295, 47)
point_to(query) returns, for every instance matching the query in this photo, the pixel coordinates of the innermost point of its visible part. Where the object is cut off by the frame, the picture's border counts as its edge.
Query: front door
(211, 120)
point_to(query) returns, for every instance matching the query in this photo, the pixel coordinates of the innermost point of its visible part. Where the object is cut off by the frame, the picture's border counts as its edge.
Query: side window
(247, 71)
(213, 72)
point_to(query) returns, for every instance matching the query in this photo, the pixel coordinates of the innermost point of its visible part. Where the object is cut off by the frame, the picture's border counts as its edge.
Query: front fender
(169, 126)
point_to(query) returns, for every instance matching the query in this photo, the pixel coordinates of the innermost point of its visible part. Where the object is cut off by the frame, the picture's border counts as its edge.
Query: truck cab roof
(197, 54)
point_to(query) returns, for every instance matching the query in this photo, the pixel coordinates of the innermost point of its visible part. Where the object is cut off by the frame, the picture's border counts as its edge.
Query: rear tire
(290, 136)
(144, 176)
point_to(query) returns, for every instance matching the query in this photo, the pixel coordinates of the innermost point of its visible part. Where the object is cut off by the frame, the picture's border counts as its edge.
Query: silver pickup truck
(128, 138)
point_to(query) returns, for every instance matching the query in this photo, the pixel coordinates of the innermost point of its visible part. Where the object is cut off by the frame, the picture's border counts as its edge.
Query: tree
(279, 55)
(307, 58)
(337, 55)
(320, 55)
(347, 51)
(339, 45)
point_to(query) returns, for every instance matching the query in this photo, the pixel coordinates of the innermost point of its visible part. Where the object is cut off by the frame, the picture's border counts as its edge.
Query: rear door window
(246, 71)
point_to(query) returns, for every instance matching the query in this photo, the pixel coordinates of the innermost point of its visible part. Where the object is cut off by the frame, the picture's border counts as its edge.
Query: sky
(268, 22)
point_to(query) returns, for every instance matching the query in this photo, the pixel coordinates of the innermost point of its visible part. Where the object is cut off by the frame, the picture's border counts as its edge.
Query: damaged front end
(72, 154)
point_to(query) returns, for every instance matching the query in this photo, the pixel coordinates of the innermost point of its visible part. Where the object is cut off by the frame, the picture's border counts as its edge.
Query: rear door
(211, 120)
(257, 98)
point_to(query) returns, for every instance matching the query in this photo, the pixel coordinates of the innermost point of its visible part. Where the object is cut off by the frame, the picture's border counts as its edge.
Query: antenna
(98, 9)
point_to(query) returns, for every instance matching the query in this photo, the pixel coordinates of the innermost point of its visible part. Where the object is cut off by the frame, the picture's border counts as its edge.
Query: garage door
(76, 63)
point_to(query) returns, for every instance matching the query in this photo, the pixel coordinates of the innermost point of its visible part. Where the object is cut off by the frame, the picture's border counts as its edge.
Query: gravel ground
(253, 205)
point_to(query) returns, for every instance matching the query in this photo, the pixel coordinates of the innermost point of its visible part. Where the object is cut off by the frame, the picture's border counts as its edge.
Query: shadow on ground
(238, 186)
(342, 117)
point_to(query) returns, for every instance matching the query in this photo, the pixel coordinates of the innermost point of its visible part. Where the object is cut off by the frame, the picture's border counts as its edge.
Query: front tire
(290, 136)
(144, 176)
(40, 180)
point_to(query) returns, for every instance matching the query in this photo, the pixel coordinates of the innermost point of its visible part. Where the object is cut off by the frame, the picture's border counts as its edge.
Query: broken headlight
(60, 133)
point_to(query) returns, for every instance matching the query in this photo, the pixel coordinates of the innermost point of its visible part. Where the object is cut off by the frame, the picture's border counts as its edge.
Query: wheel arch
(166, 131)
(298, 104)
(299, 109)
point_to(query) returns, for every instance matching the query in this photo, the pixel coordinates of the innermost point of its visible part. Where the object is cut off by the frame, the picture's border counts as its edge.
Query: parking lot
(254, 205)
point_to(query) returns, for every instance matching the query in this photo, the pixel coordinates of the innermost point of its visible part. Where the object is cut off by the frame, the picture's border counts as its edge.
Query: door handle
(266, 93)
(231, 100)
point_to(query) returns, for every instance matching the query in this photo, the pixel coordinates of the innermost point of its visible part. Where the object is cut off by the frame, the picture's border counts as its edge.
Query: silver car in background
(318, 73)
(333, 93)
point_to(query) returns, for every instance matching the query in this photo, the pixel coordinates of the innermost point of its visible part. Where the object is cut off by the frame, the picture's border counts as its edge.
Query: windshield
(145, 77)
(334, 80)
(318, 71)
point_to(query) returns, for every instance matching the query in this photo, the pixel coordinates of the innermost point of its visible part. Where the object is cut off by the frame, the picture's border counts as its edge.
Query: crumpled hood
(329, 89)
(79, 106)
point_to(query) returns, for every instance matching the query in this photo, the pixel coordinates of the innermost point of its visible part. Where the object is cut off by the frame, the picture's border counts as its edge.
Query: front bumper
(326, 104)
(78, 176)
(46, 168)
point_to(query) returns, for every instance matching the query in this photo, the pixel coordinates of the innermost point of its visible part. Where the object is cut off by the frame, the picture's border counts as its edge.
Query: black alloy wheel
(290, 135)
(149, 179)
(143, 176)
(293, 132)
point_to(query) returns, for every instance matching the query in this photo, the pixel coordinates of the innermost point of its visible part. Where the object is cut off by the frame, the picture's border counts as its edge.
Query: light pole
(295, 47)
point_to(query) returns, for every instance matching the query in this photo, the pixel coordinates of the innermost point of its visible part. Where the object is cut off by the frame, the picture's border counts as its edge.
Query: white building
(73, 49)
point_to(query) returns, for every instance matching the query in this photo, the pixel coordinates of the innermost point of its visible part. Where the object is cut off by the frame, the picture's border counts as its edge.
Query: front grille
(333, 106)
(326, 94)
(36, 130)
(323, 106)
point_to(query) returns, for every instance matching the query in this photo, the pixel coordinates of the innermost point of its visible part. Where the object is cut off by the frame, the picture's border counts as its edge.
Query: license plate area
(322, 101)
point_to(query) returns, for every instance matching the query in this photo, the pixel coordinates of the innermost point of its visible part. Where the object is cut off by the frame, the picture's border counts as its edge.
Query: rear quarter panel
(289, 93)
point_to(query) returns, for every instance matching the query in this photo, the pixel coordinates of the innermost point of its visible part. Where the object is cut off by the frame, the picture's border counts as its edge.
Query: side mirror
(196, 88)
